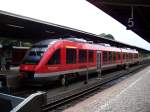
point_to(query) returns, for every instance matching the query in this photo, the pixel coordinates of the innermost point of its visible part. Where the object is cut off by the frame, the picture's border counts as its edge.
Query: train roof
(46, 42)
(129, 50)
(94, 46)
(85, 44)
(101, 46)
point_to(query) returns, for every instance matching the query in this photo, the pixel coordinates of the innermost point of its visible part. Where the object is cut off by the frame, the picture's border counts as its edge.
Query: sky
(78, 14)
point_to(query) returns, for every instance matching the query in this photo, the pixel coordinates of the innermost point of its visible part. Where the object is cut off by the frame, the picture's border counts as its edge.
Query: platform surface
(129, 95)
(10, 77)
(12, 71)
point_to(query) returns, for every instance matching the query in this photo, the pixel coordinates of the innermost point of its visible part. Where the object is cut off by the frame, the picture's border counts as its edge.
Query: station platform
(8, 78)
(129, 95)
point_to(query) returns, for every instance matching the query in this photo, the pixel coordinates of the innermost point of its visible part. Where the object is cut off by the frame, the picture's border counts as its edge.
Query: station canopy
(134, 14)
(32, 30)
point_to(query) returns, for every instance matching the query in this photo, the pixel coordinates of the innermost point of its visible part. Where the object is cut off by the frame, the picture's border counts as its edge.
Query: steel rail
(69, 98)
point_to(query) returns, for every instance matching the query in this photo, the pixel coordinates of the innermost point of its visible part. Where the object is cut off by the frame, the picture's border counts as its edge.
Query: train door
(98, 60)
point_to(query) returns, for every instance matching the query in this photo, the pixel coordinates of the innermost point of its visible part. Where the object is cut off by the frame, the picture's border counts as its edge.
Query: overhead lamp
(49, 31)
(15, 26)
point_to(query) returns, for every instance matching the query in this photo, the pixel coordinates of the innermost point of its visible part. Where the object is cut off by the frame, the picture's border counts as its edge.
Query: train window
(105, 57)
(34, 55)
(130, 55)
(124, 55)
(119, 56)
(71, 56)
(110, 56)
(136, 55)
(55, 59)
(91, 56)
(127, 56)
(82, 56)
(114, 56)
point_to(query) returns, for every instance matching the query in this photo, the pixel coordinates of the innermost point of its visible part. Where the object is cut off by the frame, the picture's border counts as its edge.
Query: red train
(56, 58)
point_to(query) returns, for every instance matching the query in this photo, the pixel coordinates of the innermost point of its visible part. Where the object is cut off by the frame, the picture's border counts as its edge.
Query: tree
(102, 34)
(109, 36)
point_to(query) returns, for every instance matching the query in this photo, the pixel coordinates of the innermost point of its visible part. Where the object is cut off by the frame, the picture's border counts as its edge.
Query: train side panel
(67, 57)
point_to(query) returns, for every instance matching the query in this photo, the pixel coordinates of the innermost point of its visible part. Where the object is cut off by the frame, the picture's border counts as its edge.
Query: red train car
(56, 58)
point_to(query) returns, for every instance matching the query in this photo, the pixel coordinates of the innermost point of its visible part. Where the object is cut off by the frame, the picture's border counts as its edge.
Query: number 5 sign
(130, 22)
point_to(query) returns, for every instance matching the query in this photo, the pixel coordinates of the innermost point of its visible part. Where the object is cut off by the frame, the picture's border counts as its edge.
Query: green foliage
(109, 36)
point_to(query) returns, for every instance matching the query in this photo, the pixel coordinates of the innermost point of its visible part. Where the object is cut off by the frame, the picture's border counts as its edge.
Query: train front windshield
(34, 54)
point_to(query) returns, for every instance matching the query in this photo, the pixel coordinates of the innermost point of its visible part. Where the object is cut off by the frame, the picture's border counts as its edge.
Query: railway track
(71, 95)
